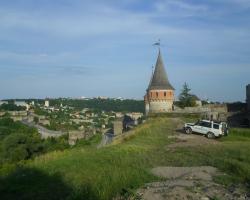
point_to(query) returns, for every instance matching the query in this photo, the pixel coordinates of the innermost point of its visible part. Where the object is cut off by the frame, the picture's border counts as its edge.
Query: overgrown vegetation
(20, 142)
(86, 172)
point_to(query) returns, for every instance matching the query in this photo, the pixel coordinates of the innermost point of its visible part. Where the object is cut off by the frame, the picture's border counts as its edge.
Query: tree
(186, 98)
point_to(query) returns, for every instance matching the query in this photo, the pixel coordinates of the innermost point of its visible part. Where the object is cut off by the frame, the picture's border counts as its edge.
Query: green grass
(86, 172)
(238, 134)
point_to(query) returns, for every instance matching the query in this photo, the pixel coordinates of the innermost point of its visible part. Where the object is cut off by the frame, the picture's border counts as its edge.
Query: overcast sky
(73, 48)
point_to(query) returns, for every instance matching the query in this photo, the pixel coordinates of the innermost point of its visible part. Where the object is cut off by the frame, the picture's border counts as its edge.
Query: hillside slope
(91, 173)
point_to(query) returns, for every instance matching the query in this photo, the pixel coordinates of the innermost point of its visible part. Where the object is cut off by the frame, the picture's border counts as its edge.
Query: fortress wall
(146, 108)
(118, 127)
(222, 108)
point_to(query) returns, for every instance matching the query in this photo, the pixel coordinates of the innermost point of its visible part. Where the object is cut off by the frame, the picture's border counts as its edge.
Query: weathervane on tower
(157, 43)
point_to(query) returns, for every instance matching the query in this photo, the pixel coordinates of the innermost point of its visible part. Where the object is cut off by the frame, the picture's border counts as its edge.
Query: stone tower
(160, 93)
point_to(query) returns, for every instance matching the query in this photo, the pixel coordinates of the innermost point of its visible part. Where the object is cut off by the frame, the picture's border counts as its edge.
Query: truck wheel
(210, 135)
(188, 130)
(226, 132)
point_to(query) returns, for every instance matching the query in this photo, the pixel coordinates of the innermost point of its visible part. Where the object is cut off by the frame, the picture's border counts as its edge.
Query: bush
(52, 144)
(20, 146)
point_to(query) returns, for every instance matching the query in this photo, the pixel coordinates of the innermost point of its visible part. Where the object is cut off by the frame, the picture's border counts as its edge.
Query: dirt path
(187, 183)
(184, 140)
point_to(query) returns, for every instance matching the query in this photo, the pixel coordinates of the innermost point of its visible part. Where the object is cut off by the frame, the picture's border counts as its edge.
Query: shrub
(20, 146)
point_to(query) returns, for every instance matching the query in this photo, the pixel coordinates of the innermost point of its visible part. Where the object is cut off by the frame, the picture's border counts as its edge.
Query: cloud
(239, 3)
(107, 20)
(179, 8)
(33, 58)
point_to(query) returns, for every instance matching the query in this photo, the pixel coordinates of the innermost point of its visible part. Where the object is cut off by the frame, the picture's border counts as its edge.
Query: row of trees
(116, 105)
(11, 107)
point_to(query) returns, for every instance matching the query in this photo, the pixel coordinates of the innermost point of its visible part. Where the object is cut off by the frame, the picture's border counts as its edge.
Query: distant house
(46, 103)
(118, 114)
(135, 115)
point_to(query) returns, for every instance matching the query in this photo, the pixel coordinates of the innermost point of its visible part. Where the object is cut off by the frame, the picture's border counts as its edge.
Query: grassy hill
(90, 173)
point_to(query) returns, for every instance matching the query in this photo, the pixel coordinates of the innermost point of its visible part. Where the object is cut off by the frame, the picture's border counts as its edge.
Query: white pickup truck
(208, 128)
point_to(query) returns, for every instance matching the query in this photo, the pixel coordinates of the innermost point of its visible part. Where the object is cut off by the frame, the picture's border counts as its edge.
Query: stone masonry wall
(160, 106)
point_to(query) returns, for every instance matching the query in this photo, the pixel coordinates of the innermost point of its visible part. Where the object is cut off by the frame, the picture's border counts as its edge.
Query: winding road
(45, 133)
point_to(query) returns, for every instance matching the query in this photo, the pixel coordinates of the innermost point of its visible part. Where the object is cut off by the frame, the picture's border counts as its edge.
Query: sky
(74, 48)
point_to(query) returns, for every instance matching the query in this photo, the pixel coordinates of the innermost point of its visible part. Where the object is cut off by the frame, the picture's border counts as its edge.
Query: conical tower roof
(159, 79)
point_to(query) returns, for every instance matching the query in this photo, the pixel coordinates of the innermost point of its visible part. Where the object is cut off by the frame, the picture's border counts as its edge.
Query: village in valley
(58, 120)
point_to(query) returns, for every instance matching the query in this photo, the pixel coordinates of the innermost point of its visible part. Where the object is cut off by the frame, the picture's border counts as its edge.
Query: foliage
(39, 111)
(185, 98)
(20, 142)
(19, 146)
(11, 107)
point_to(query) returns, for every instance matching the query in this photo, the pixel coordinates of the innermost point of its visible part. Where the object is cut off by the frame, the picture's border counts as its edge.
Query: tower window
(156, 94)
(165, 94)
